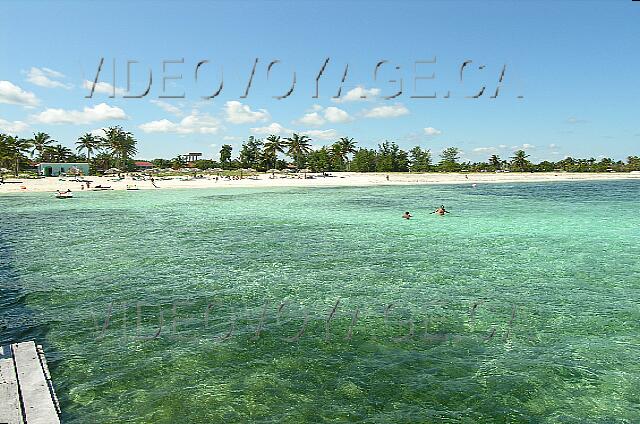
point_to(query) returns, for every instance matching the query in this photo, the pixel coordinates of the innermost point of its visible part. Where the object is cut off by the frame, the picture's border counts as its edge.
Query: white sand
(52, 184)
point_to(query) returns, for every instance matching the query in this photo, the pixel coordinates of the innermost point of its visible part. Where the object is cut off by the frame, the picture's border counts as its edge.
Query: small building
(191, 157)
(142, 165)
(55, 169)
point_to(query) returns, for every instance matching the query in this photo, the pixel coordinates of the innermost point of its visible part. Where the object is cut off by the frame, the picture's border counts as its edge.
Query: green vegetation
(116, 147)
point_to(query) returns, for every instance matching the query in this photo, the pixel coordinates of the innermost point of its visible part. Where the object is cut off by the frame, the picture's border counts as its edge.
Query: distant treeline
(116, 148)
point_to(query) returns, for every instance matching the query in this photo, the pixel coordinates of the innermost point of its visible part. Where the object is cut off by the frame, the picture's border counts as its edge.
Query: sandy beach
(52, 184)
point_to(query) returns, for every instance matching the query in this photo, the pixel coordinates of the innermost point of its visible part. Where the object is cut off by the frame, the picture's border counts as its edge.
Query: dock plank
(10, 411)
(33, 388)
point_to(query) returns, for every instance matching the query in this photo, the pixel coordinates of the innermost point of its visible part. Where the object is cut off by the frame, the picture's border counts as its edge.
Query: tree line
(116, 147)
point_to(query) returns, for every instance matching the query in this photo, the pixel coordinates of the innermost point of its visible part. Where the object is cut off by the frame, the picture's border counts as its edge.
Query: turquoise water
(521, 306)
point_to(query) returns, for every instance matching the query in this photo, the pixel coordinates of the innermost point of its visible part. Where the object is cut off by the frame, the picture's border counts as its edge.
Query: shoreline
(339, 179)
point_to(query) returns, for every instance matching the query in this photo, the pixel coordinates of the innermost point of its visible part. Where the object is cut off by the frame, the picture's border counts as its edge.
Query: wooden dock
(26, 390)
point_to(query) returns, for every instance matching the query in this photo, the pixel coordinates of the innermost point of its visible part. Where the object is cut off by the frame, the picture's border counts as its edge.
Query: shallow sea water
(212, 306)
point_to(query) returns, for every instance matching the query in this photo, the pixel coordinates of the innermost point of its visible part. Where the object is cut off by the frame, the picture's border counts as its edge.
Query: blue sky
(575, 63)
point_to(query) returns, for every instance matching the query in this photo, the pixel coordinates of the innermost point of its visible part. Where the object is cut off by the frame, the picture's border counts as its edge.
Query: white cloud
(553, 146)
(237, 113)
(101, 112)
(14, 95)
(386, 111)
(525, 146)
(45, 77)
(321, 134)
(12, 127)
(229, 138)
(574, 120)
(195, 123)
(321, 116)
(104, 88)
(503, 146)
(430, 131)
(98, 132)
(273, 128)
(167, 107)
(336, 115)
(357, 94)
(313, 119)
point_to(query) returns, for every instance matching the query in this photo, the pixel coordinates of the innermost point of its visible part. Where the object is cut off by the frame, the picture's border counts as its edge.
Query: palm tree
(519, 160)
(347, 146)
(178, 162)
(126, 149)
(298, 147)
(272, 146)
(337, 155)
(225, 154)
(17, 148)
(103, 161)
(494, 161)
(40, 141)
(120, 143)
(275, 144)
(88, 142)
(60, 153)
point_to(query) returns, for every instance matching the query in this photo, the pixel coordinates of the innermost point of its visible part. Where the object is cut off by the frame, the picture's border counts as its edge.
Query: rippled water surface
(323, 305)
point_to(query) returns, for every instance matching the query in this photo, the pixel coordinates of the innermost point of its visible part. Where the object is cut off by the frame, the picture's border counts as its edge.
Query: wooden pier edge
(47, 375)
(27, 395)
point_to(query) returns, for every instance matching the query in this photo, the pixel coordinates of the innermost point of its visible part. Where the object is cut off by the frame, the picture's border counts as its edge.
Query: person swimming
(441, 211)
(407, 215)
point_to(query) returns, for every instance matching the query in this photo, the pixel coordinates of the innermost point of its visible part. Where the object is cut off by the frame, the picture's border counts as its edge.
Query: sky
(571, 83)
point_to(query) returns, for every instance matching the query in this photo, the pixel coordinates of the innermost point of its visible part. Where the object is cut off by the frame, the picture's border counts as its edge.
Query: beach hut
(55, 169)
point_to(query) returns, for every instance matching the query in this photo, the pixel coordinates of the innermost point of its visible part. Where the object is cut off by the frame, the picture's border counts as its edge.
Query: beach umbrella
(274, 171)
(305, 170)
(112, 171)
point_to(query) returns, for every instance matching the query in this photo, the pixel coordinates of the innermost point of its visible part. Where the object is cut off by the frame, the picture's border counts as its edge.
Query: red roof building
(143, 164)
